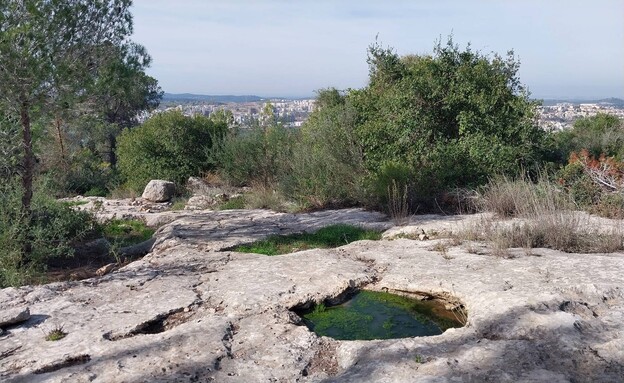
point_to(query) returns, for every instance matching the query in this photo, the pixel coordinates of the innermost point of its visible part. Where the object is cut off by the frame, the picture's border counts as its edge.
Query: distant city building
(293, 113)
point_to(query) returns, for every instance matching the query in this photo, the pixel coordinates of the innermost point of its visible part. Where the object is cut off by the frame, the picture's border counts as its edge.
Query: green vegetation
(168, 146)
(71, 80)
(49, 233)
(126, 232)
(55, 334)
(418, 117)
(327, 237)
(233, 204)
(379, 315)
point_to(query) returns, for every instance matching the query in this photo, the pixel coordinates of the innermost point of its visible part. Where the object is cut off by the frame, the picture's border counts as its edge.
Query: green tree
(169, 146)
(51, 52)
(452, 118)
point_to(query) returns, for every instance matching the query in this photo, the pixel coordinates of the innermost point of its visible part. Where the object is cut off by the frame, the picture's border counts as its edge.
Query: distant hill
(186, 97)
(612, 100)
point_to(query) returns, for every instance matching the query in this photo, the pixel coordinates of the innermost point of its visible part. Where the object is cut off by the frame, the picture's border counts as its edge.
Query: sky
(291, 48)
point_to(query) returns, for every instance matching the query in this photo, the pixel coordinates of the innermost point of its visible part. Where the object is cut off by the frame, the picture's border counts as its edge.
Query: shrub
(51, 232)
(260, 154)
(168, 146)
(326, 165)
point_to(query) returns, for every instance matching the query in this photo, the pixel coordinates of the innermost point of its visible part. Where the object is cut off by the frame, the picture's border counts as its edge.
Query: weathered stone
(190, 312)
(105, 269)
(197, 185)
(199, 202)
(93, 249)
(159, 191)
(13, 316)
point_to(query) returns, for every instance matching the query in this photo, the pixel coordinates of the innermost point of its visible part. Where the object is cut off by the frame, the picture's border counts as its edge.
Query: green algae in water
(378, 315)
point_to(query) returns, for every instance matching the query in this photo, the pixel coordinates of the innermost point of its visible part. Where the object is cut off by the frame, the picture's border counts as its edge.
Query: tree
(169, 146)
(454, 106)
(122, 90)
(51, 52)
(452, 118)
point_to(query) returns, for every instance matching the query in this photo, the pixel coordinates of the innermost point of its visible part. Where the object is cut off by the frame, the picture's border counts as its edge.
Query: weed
(544, 220)
(419, 359)
(319, 308)
(441, 247)
(233, 203)
(461, 314)
(57, 333)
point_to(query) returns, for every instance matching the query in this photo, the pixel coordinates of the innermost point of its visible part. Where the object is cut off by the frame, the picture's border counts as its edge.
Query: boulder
(197, 186)
(13, 316)
(200, 202)
(159, 191)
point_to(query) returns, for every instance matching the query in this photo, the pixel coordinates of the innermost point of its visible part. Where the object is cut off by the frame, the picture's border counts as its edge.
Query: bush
(51, 232)
(168, 146)
(326, 165)
(258, 155)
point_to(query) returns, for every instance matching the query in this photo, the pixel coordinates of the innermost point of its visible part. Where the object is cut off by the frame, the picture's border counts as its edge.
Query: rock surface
(13, 316)
(159, 191)
(191, 311)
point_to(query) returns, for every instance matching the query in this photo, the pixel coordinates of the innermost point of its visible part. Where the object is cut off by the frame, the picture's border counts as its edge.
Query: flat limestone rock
(13, 316)
(193, 311)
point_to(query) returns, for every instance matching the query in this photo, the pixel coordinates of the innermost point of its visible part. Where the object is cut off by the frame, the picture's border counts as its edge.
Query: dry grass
(544, 218)
(398, 207)
(263, 197)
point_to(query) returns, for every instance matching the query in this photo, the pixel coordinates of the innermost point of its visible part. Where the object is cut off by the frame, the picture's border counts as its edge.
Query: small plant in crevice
(461, 314)
(57, 333)
(319, 308)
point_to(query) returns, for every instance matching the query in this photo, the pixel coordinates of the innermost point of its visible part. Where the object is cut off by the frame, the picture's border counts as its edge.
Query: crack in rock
(227, 340)
(67, 362)
(157, 325)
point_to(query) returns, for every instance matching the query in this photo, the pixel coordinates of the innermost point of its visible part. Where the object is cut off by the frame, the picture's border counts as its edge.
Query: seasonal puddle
(368, 315)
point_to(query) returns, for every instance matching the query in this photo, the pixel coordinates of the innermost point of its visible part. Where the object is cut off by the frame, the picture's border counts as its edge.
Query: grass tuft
(55, 334)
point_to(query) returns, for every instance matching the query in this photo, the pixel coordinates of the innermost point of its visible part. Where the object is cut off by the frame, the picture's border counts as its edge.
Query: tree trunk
(59, 134)
(28, 162)
(112, 147)
(28, 165)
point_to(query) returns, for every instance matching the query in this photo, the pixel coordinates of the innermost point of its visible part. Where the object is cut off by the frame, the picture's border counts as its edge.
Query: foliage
(168, 146)
(595, 184)
(434, 112)
(57, 333)
(547, 220)
(51, 232)
(126, 232)
(329, 236)
(602, 134)
(418, 118)
(326, 163)
(51, 52)
(257, 155)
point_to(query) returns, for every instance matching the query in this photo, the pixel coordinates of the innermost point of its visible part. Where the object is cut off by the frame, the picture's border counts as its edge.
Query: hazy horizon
(278, 48)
